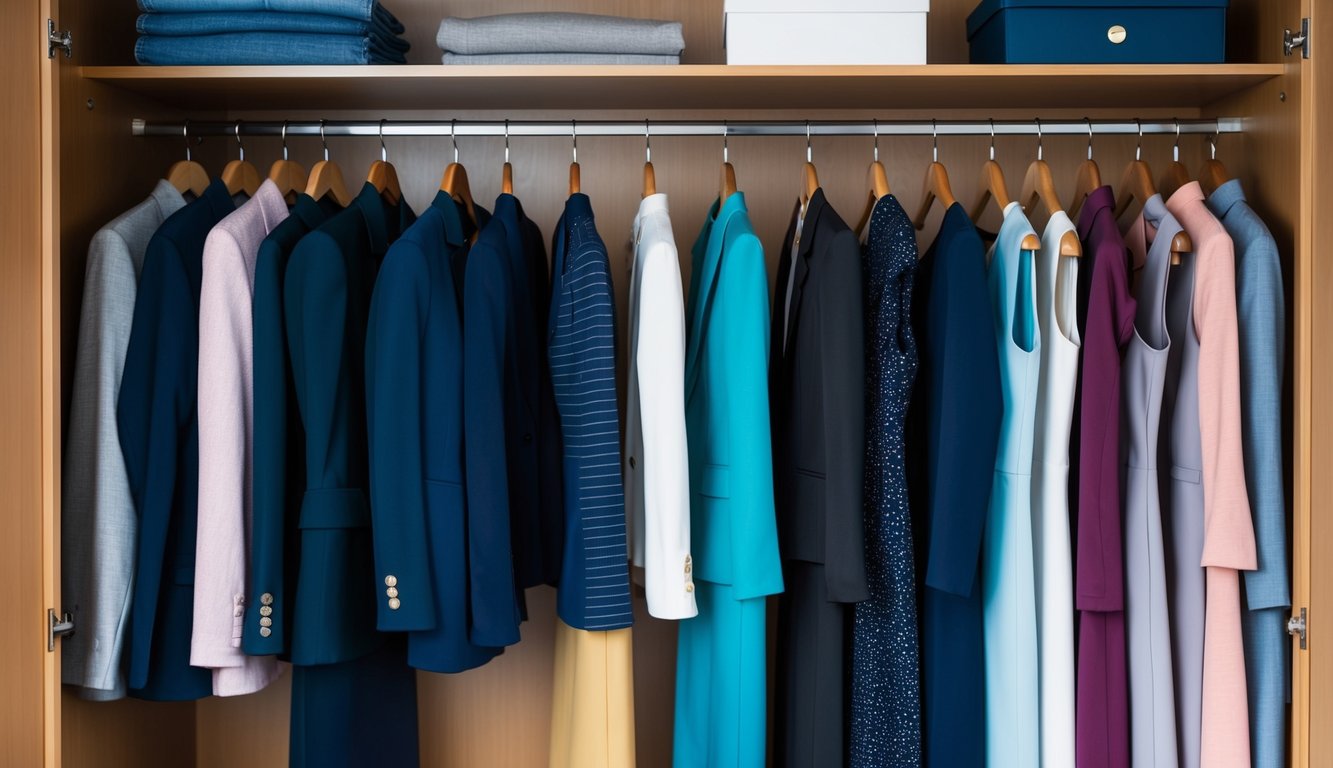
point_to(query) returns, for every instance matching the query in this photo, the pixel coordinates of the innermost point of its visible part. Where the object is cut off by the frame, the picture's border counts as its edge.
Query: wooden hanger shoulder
(384, 178)
(188, 176)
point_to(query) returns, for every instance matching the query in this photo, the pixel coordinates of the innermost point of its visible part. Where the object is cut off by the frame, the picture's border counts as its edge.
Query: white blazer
(226, 445)
(657, 482)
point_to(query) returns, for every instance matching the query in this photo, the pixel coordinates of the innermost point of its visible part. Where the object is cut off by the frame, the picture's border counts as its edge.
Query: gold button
(266, 610)
(265, 631)
(266, 622)
(689, 564)
(266, 598)
(689, 586)
(1117, 34)
(391, 591)
(394, 603)
(391, 580)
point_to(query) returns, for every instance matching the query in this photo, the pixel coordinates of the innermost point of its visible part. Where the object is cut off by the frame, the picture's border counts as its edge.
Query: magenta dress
(1102, 710)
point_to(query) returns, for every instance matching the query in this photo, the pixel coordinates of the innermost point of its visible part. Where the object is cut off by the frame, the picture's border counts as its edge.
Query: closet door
(27, 671)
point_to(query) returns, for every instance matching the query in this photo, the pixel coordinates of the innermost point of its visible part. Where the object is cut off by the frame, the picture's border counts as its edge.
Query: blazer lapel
(707, 258)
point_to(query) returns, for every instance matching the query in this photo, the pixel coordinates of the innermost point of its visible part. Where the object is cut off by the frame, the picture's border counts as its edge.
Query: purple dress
(1102, 730)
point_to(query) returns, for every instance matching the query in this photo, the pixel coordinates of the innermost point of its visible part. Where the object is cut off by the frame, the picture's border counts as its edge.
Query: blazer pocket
(716, 481)
(1192, 476)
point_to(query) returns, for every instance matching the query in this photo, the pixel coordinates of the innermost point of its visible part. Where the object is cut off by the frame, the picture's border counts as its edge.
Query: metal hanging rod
(375, 128)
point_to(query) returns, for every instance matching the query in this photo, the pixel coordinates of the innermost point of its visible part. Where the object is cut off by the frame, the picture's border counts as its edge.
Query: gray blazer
(98, 523)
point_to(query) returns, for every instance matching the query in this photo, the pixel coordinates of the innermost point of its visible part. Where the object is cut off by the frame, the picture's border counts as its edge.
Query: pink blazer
(1228, 545)
(226, 447)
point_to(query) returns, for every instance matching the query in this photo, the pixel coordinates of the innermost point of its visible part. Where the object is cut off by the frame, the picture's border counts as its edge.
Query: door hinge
(1292, 40)
(1296, 627)
(57, 626)
(62, 40)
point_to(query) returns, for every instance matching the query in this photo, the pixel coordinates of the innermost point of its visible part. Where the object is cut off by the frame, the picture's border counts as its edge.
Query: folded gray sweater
(558, 58)
(560, 33)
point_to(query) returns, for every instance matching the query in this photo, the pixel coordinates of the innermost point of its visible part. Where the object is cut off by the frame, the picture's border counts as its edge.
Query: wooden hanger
(991, 184)
(1176, 174)
(574, 174)
(326, 178)
(1212, 174)
(877, 181)
(1039, 186)
(936, 186)
(382, 175)
(187, 175)
(1087, 180)
(507, 173)
(240, 175)
(288, 175)
(455, 183)
(649, 175)
(1137, 184)
(727, 187)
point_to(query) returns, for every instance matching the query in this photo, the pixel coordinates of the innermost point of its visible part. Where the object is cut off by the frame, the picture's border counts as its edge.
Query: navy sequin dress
(886, 692)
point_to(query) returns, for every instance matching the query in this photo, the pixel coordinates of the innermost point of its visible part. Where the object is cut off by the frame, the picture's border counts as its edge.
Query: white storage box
(825, 32)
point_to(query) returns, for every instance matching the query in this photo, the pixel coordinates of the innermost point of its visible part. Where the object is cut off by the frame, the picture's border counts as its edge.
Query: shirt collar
(1098, 200)
(309, 211)
(372, 208)
(1188, 208)
(1225, 197)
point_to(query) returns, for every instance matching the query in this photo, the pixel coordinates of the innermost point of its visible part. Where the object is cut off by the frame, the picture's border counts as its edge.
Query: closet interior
(1266, 105)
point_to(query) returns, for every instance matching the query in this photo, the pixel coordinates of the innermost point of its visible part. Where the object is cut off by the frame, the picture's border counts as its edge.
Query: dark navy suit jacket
(159, 435)
(414, 390)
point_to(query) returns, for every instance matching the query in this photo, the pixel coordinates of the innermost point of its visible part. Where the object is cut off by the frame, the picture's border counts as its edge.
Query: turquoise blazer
(734, 531)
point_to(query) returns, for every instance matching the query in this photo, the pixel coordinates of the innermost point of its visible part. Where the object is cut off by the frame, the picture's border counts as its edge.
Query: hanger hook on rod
(384, 151)
(574, 136)
(1089, 122)
(284, 140)
(506, 140)
(934, 141)
(1175, 149)
(725, 131)
(876, 124)
(1040, 152)
(185, 132)
(809, 156)
(239, 143)
(323, 140)
(1212, 146)
(992, 136)
(1138, 147)
(647, 143)
(453, 137)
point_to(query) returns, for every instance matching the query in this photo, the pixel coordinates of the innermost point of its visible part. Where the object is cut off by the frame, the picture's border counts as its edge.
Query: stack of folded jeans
(268, 32)
(560, 38)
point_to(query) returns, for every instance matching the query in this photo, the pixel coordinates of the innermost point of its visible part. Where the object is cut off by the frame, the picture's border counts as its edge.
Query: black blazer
(817, 386)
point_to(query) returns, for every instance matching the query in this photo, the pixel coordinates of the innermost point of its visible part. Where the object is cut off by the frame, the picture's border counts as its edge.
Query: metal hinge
(1296, 627)
(1291, 41)
(62, 40)
(57, 627)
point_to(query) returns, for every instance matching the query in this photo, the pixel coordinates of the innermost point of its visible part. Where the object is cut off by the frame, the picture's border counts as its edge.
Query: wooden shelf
(941, 86)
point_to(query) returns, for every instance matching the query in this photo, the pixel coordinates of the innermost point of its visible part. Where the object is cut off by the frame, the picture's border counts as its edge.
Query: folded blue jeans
(365, 10)
(217, 23)
(263, 49)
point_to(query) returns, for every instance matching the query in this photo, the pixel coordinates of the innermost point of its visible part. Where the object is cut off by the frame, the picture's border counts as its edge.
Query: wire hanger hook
(185, 132)
(284, 140)
(1175, 149)
(1138, 148)
(725, 130)
(1040, 152)
(809, 156)
(240, 144)
(934, 141)
(506, 140)
(574, 135)
(1089, 122)
(992, 137)
(453, 137)
(876, 124)
(323, 140)
(647, 143)
(384, 151)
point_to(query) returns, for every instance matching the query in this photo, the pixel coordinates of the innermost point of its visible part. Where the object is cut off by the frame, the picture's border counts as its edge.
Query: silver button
(266, 622)
(391, 591)
(266, 598)
(394, 603)
(266, 610)
(391, 580)
(265, 631)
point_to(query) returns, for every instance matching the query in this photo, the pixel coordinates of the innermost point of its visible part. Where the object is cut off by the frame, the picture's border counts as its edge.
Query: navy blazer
(414, 410)
(594, 581)
(327, 304)
(279, 440)
(159, 435)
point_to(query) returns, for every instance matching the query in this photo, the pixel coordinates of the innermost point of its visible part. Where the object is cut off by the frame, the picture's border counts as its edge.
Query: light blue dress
(1008, 583)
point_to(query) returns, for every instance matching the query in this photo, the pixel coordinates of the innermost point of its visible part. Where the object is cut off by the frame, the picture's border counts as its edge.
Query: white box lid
(826, 6)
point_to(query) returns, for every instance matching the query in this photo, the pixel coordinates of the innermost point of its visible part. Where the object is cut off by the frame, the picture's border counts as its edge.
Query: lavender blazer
(226, 445)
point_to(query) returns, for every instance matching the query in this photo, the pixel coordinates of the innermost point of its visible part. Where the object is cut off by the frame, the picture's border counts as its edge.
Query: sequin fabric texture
(886, 693)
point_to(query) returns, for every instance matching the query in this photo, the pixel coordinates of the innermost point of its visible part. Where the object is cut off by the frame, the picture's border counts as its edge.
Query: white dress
(1057, 299)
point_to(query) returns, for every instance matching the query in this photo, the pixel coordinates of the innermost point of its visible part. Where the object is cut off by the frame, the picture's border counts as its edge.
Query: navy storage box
(1098, 32)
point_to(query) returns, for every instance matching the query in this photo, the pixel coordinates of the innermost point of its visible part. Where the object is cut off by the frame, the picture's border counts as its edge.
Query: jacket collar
(1099, 199)
(1225, 197)
(706, 262)
(453, 224)
(168, 198)
(384, 222)
(272, 208)
(789, 314)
